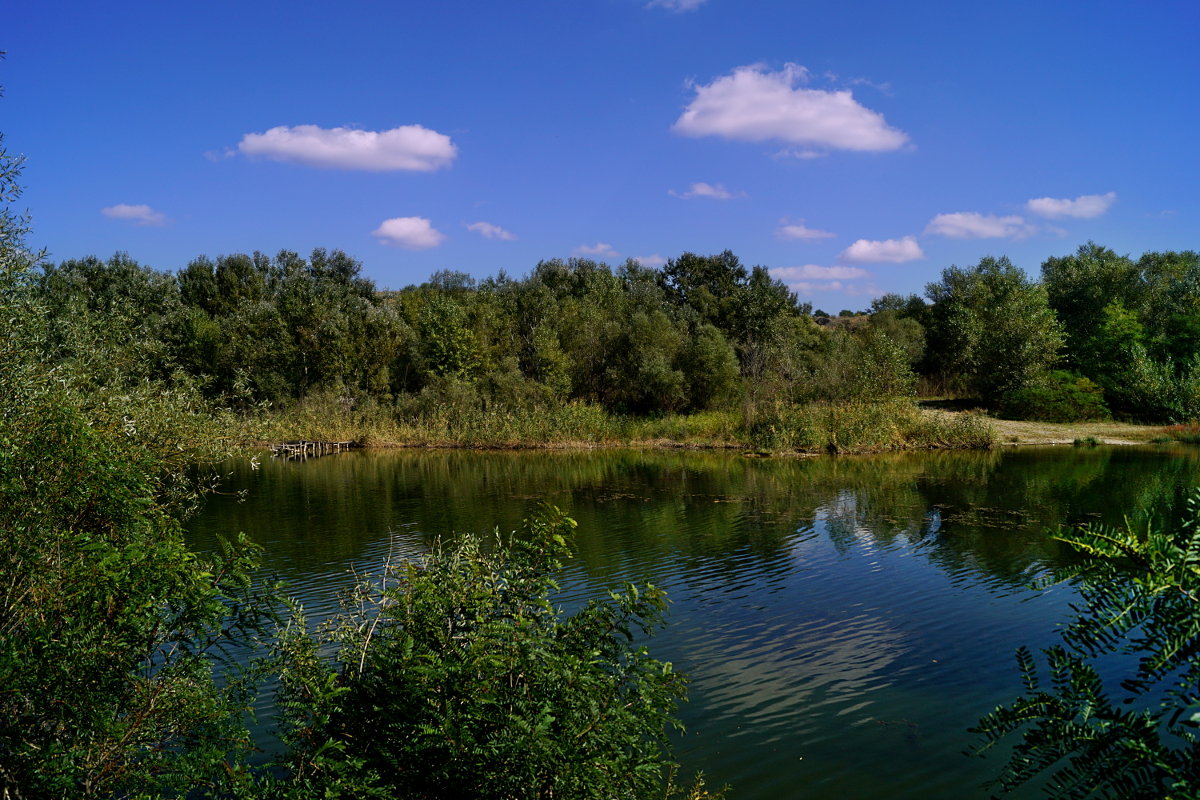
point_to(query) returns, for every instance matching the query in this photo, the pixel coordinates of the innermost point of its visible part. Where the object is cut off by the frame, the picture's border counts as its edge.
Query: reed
(861, 427)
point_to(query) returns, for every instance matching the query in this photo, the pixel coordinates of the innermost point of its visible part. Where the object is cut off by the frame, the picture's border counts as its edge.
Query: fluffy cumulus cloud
(408, 147)
(1088, 206)
(973, 225)
(650, 261)
(489, 231)
(715, 191)
(754, 104)
(894, 251)
(798, 230)
(676, 5)
(597, 250)
(411, 233)
(138, 215)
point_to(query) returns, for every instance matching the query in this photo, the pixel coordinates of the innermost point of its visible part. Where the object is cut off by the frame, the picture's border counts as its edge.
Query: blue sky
(854, 148)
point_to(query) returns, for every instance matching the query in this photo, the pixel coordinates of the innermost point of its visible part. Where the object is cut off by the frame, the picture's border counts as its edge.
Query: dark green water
(843, 620)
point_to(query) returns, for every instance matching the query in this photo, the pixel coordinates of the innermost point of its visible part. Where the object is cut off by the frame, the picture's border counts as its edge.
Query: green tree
(110, 318)
(721, 292)
(711, 285)
(710, 369)
(1116, 354)
(991, 327)
(644, 372)
(904, 331)
(1081, 285)
(447, 345)
(862, 366)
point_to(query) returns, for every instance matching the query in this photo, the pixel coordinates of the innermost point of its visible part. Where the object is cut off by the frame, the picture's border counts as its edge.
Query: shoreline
(1006, 433)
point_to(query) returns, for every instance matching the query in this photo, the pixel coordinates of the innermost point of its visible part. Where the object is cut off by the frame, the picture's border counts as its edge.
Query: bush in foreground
(457, 677)
(1081, 736)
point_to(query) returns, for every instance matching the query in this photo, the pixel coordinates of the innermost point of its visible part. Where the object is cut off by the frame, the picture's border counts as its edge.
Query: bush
(863, 427)
(110, 628)
(1060, 397)
(474, 685)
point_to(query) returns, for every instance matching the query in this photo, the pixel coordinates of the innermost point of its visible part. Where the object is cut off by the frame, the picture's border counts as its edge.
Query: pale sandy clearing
(1012, 432)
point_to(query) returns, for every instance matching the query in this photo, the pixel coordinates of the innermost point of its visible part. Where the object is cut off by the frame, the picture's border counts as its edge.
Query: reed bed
(861, 427)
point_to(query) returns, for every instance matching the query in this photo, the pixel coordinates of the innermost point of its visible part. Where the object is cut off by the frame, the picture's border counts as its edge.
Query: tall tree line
(252, 329)
(1098, 332)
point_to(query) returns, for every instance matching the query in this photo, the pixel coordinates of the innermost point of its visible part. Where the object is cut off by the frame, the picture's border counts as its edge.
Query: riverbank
(860, 428)
(804, 430)
(1021, 433)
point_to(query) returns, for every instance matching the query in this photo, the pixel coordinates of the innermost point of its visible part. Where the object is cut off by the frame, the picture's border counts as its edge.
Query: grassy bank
(865, 427)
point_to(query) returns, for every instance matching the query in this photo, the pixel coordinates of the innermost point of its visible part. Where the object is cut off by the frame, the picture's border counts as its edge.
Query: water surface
(843, 620)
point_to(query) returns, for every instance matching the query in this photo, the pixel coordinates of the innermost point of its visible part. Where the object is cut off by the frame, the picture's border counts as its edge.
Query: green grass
(864, 427)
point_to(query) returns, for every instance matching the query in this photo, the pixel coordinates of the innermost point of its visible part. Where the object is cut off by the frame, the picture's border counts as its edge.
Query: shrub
(110, 627)
(864, 427)
(1060, 397)
(476, 686)
(1188, 432)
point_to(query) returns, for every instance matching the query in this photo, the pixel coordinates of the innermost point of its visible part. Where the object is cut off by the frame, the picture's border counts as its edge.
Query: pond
(843, 620)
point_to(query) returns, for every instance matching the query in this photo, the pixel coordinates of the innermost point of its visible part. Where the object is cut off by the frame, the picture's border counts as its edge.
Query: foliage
(860, 367)
(476, 686)
(993, 326)
(1059, 397)
(1083, 736)
(1081, 285)
(109, 626)
(864, 427)
(905, 331)
(1188, 433)
(1132, 327)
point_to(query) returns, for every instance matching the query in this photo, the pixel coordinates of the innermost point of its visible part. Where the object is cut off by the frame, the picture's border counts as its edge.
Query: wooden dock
(298, 451)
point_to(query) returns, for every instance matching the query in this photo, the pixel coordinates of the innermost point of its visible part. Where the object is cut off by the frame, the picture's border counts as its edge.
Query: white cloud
(895, 251)
(411, 233)
(810, 287)
(973, 225)
(1086, 206)
(598, 250)
(811, 272)
(138, 215)
(849, 289)
(801, 153)
(798, 230)
(217, 156)
(753, 104)
(650, 261)
(408, 147)
(716, 191)
(489, 231)
(811, 278)
(676, 5)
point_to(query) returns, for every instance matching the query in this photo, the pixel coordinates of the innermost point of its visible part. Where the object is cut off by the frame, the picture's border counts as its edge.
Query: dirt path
(1012, 432)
